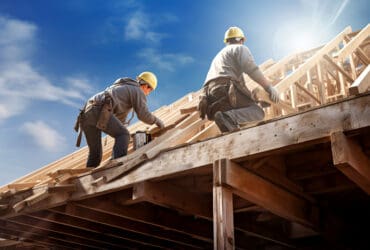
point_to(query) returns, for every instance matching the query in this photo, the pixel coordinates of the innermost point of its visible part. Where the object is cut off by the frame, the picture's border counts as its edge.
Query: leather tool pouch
(105, 113)
(218, 100)
(239, 97)
(77, 126)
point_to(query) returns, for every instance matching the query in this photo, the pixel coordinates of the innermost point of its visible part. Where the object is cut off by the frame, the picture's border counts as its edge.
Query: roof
(299, 178)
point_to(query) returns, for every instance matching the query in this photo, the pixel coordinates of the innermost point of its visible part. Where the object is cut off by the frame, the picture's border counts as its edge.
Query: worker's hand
(273, 94)
(159, 123)
(202, 106)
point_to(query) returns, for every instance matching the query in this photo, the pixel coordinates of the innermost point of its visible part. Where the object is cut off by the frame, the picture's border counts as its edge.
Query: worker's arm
(141, 108)
(256, 74)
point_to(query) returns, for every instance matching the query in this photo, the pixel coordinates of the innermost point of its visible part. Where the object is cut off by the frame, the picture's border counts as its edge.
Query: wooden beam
(65, 231)
(170, 196)
(362, 56)
(58, 172)
(355, 42)
(308, 93)
(344, 73)
(265, 194)
(119, 227)
(36, 240)
(362, 83)
(210, 131)
(20, 186)
(87, 229)
(188, 110)
(62, 188)
(26, 231)
(223, 212)
(199, 228)
(349, 158)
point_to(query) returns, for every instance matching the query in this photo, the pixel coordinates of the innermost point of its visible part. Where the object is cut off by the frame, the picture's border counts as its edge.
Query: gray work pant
(115, 128)
(248, 114)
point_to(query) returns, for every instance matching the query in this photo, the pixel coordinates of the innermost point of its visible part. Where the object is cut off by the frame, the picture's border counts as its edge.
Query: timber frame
(298, 179)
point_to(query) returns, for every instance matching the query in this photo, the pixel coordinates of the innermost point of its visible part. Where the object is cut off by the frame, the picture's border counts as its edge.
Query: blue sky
(55, 54)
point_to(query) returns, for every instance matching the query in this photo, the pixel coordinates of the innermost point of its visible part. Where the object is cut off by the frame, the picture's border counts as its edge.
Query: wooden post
(321, 84)
(223, 215)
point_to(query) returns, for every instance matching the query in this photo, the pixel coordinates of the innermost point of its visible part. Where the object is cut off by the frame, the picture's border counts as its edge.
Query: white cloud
(139, 27)
(20, 82)
(44, 136)
(80, 83)
(166, 61)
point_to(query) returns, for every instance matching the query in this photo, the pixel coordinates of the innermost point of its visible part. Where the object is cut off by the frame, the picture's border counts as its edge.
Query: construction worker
(107, 111)
(226, 99)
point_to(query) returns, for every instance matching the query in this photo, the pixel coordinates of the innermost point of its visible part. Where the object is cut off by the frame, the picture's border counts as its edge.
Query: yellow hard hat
(233, 32)
(149, 78)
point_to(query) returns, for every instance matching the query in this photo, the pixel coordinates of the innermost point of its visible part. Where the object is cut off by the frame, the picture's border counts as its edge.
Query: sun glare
(293, 38)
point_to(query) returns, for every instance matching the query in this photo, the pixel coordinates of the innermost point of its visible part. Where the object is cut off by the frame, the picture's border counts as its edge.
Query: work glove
(273, 94)
(202, 106)
(159, 123)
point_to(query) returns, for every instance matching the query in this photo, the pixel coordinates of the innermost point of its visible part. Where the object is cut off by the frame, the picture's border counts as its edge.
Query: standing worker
(226, 99)
(107, 111)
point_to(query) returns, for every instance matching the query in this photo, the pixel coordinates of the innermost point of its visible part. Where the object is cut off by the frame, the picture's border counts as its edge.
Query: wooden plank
(62, 188)
(210, 131)
(20, 186)
(37, 197)
(223, 212)
(58, 172)
(175, 136)
(171, 196)
(181, 136)
(362, 83)
(349, 158)
(296, 75)
(188, 110)
(265, 194)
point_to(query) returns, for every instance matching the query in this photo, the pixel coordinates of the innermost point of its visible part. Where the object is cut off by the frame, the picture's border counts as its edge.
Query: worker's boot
(224, 122)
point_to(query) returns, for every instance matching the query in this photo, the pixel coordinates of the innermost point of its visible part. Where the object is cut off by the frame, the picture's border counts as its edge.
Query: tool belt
(223, 94)
(103, 119)
(78, 127)
(106, 112)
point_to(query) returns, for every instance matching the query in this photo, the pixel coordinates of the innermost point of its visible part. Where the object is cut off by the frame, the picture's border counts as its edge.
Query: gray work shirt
(231, 62)
(127, 95)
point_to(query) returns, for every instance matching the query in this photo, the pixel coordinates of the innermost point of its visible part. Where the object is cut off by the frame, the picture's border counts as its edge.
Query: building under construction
(299, 179)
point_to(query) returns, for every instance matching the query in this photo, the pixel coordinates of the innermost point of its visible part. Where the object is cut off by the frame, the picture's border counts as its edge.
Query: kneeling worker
(226, 99)
(107, 111)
